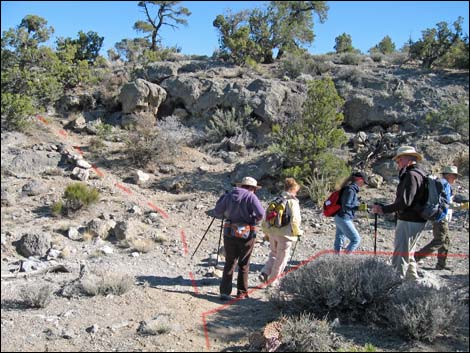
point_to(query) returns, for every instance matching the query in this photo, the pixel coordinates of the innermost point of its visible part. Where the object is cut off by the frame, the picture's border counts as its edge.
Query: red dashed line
(97, 171)
(193, 281)
(42, 119)
(303, 263)
(185, 245)
(123, 188)
(157, 209)
(78, 150)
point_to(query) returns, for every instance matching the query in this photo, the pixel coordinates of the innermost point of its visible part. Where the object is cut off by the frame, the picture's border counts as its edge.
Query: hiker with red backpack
(349, 202)
(242, 211)
(282, 236)
(410, 194)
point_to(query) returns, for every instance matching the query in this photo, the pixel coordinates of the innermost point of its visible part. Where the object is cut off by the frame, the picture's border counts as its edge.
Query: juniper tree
(166, 14)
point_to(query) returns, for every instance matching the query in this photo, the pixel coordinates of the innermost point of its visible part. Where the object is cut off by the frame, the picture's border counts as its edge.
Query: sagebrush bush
(351, 59)
(37, 296)
(294, 65)
(228, 123)
(104, 283)
(348, 287)
(78, 195)
(422, 313)
(304, 333)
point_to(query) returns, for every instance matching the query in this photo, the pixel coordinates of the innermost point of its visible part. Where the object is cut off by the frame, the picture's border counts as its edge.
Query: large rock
(126, 230)
(34, 244)
(28, 163)
(141, 95)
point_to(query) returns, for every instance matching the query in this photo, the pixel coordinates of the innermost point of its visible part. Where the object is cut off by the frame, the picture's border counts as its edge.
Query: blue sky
(366, 21)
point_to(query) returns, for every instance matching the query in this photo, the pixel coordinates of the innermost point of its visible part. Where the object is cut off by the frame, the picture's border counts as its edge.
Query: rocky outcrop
(141, 95)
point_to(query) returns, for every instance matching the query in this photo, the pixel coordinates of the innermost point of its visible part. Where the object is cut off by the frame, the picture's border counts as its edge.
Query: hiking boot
(243, 296)
(263, 277)
(225, 297)
(443, 267)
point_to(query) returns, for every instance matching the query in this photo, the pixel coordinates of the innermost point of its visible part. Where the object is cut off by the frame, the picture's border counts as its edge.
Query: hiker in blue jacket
(440, 228)
(344, 218)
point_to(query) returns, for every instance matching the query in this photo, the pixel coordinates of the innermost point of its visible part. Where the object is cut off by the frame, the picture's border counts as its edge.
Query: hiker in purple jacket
(241, 210)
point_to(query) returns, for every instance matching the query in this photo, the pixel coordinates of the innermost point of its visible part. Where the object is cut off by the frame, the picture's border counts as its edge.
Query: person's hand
(463, 206)
(377, 209)
(362, 207)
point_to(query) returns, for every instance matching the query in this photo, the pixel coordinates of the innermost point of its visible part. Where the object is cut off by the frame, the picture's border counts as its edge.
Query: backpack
(332, 204)
(435, 198)
(276, 213)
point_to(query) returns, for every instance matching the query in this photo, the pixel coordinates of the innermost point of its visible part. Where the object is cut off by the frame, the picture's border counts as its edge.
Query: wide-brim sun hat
(249, 181)
(408, 151)
(452, 169)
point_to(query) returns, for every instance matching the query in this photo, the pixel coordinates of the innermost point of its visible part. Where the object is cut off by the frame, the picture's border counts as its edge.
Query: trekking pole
(220, 237)
(203, 237)
(375, 234)
(293, 251)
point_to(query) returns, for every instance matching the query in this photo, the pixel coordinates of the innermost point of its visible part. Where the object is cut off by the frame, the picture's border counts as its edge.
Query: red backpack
(332, 205)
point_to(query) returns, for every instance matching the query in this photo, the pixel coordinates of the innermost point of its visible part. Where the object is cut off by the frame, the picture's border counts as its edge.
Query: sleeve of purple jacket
(220, 206)
(258, 209)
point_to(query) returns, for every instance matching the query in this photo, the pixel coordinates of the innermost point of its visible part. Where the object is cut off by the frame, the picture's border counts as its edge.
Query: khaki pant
(439, 243)
(278, 257)
(407, 235)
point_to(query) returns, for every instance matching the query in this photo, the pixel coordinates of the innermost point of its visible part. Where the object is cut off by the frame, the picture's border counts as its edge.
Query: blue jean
(345, 229)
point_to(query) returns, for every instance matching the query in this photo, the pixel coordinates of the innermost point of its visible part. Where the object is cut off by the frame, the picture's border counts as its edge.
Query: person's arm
(405, 195)
(347, 199)
(221, 206)
(258, 210)
(295, 218)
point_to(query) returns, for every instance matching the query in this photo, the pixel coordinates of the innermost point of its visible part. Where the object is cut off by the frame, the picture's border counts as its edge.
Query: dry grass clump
(104, 283)
(304, 333)
(141, 245)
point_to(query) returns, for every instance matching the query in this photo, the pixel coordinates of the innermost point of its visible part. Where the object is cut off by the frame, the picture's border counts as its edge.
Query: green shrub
(422, 313)
(57, 208)
(301, 143)
(15, 110)
(78, 195)
(454, 116)
(304, 333)
(346, 287)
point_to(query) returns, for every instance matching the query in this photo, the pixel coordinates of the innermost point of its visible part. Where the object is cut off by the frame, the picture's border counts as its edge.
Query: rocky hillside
(119, 275)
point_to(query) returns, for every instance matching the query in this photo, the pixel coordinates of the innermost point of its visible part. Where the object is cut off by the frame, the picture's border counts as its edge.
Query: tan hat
(249, 181)
(452, 169)
(407, 151)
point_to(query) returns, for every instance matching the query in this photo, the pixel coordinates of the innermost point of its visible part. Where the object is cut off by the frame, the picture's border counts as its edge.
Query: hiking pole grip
(220, 237)
(203, 237)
